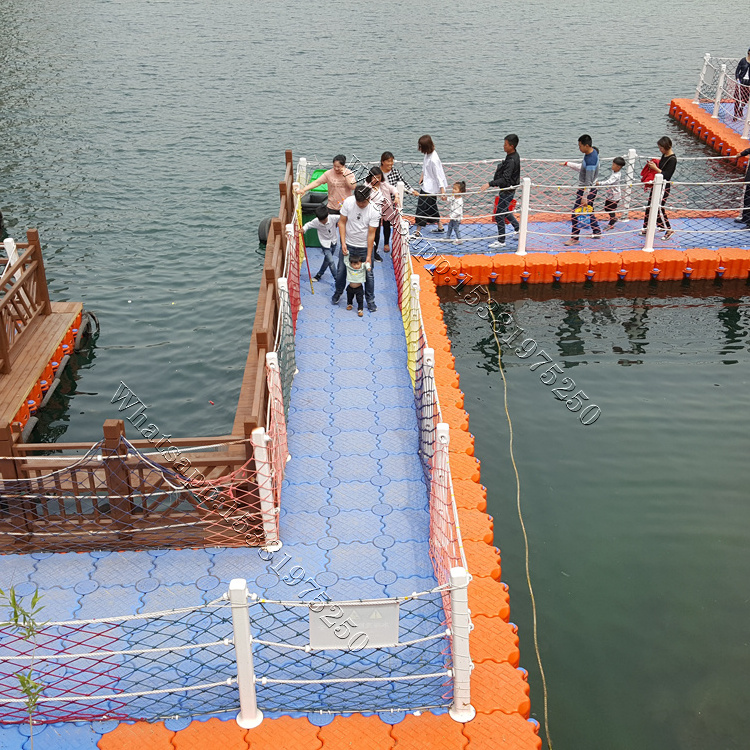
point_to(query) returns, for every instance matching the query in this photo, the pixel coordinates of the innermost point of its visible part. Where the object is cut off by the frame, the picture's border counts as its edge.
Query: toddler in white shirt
(456, 210)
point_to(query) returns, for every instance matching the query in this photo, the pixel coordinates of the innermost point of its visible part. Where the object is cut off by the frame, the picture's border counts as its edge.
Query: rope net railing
(115, 498)
(446, 549)
(291, 676)
(183, 662)
(724, 91)
(149, 666)
(699, 206)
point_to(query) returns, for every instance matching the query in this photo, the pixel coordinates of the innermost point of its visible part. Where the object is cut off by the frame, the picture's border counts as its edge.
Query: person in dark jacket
(666, 167)
(742, 77)
(507, 178)
(745, 217)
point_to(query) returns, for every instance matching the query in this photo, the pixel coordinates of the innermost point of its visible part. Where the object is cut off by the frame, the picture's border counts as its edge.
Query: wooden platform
(31, 355)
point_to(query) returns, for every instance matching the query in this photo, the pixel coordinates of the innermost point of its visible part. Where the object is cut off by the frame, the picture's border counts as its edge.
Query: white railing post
(706, 60)
(400, 190)
(629, 176)
(746, 129)
(719, 91)
(302, 171)
(655, 206)
(249, 715)
(412, 342)
(264, 480)
(461, 710)
(524, 223)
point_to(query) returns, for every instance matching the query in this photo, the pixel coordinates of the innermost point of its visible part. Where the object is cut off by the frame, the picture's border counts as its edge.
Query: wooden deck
(32, 354)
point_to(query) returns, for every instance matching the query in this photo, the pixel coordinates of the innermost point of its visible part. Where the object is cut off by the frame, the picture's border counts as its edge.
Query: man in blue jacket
(507, 178)
(587, 174)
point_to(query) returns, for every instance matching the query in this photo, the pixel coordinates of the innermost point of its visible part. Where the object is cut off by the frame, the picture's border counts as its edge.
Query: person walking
(433, 182)
(392, 176)
(507, 178)
(341, 183)
(359, 219)
(744, 218)
(385, 197)
(742, 83)
(588, 171)
(666, 167)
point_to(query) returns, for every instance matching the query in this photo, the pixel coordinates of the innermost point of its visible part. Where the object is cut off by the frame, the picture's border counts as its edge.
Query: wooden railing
(253, 401)
(23, 296)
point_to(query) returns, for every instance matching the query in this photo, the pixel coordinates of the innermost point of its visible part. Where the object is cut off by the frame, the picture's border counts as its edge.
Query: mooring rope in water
(520, 518)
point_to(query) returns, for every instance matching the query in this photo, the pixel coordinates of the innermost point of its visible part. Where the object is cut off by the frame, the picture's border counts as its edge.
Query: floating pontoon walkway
(355, 522)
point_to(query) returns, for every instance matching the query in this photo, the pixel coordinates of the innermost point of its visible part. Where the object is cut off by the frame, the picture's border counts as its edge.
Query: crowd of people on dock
(351, 221)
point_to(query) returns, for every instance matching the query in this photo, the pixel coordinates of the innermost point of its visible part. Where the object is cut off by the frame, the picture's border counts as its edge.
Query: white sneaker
(497, 243)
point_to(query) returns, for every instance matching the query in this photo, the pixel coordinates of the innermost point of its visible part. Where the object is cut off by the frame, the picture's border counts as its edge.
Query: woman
(742, 92)
(384, 196)
(665, 167)
(392, 177)
(433, 182)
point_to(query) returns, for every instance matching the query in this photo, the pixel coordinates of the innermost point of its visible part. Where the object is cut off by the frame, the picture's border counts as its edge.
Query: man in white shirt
(357, 225)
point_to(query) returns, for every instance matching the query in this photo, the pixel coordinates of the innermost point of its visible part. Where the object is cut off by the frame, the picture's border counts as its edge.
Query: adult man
(357, 225)
(507, 178)
(742, 93)
(587, 174)
(745, 216)
(341, 183)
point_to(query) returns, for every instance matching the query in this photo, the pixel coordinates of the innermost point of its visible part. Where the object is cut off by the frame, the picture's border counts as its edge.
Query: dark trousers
(361, 253)
(386, 234)
(355, 291)
(746, 202)
(611, 206)
(504, 200)
(741, 95)
(575, 218)
(662, 220)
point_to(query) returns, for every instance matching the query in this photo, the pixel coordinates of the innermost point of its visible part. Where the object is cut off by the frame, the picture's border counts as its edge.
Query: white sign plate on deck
(354, 626)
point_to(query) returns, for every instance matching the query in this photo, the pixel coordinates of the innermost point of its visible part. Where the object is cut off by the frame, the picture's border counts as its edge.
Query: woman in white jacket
(433, 182)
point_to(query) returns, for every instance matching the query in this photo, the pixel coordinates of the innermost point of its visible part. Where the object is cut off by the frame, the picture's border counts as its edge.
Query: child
(328, 234)
(456, 209)
(355, 275)
(613, 194)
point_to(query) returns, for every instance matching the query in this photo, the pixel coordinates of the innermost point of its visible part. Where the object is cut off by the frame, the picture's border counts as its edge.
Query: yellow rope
(523, 525)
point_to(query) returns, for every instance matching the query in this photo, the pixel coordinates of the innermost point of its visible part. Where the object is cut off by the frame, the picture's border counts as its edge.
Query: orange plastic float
(637, 265)
(494, 639)
(442, 731)
(671, 264)
(508, 268)
(702, 263)
(486, 595)
(718, 136)
(541, 268)
(572, 266)
(361, 732)
(735, 261)
(475, 525)
(502, 732)
(469, 494)
(214, 733)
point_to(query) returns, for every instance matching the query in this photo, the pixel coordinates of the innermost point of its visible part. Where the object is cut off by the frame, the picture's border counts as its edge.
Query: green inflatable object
(321, 188)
